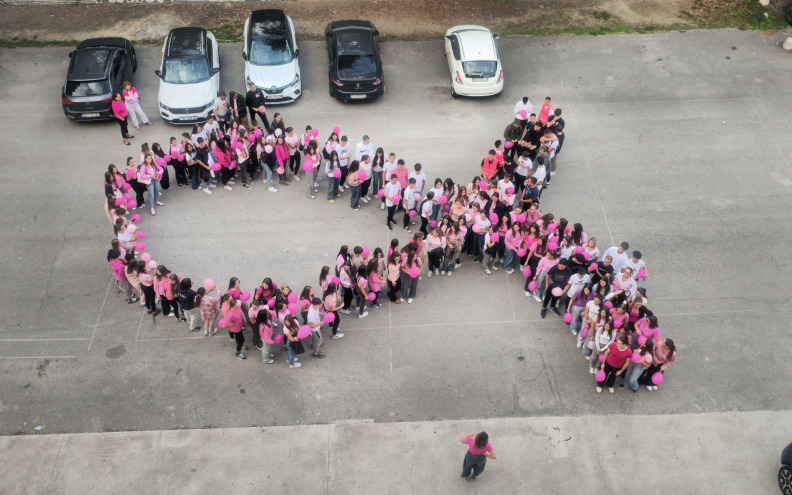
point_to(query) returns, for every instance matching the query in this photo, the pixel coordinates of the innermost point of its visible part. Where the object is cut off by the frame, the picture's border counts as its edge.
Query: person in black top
(202, 164)
(557, 277)
(254, 100)
(236, 106)
(604, 268)
(530, 195)
(277, 123)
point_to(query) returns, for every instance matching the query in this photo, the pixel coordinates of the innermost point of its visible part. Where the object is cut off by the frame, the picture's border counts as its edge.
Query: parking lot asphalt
(676, 143)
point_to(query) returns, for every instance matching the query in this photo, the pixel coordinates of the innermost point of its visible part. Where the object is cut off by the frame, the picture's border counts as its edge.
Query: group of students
(495, 218)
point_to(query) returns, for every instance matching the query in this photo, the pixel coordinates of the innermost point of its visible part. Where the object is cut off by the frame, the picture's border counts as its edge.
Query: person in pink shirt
(636, 369)
(332, 304)
(647, 327)
(209, 307)
(161, 284)
(174, 151)
(118, 264)
(479, 450)
(435, 249)
(147, 285)
(664, 355)
(264, 325)
(235, 322)
(149, 173)
(132, 275)
(375, 279)
(615, 362)
(120, 112)
(282, 158)
(545, 111)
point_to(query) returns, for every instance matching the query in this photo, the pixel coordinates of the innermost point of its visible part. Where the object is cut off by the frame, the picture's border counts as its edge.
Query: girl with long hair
(208, 305)
(332, 304)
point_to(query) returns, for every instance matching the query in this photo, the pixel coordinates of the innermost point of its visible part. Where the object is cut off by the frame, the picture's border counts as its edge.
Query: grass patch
(740, 14)
(229, 32)
(34, 43)
(602, 15)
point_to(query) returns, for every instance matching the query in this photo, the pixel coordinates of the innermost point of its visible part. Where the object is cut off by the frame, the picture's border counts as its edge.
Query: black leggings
(139, 190)
(343, 178)
(294, 163)
(550, 298)
(225, 174)
(349, 293)
(180, 170)
(610, 373)
(148, 292)
(364, 188)
(336, 322)
(124, 127)
(170, 305)
(393, 288)
(240, 340)
(424, 225)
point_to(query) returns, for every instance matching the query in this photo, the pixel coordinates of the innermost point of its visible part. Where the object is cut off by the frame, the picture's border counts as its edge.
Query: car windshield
(186, 70)
(357, 67)
(87, 88)
(270, 50)
(480, 68)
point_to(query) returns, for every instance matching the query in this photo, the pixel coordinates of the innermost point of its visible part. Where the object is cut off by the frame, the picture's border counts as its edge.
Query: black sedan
(785, 472)
(97, 67)
(355, 68)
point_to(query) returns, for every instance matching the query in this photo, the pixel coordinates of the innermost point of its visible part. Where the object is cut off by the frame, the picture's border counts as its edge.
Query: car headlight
(165, 107)
(295, 82)
(207, 106)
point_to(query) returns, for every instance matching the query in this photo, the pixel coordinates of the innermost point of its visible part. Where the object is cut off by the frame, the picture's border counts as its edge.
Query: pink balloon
(493, 217)
(133, 204)
(641, 340)
(371, 296)
(271, 303)
(446, 208)
(329, 317)
(508, 144)
(602, 357)
(362, 175)
(641, 273)
(636, 356)
(593, 266)
(126, 187)
(119, 201)
(521, 218)
(532, 285)
(293, 308)
(591, 342)
(292, 297)
(523, 113)
(417, 196)
(209, 284)
(278, 339)
(476, 228)
(608, 304)
(151, 265)
(433, 223)
(222, 322)
(578, 249)
(181, 158)
(306, 139)
(568, 317)
(315, 132)
(141, 234)
(308, 166)
(335, 280)
(303, 332)
(258, 132)
(337, 173)
(557, 291)
(521, 252)
(413, 272)
(380, 193)
(278, 132)
(145, 257)
(526, 271)
(657, 378)
(336, 129)
(586, 254)
(510, 190)
(215, 166)
(127, 196)
(366, 252)
(236, 145)
(397, 198)
(483, 184)
(251, 137)
(168, 157)
(600, 376)
(245, 296)
(134, 218)
(160, 161)
(583, 334)
(268, 148)
(551, 228)
(442, 199)
(552, 244)
(494, 237)
(140, 246)
(280, 170)
(413, 213)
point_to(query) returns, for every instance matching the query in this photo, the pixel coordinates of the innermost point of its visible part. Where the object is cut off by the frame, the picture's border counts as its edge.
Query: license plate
(270, 97)
(357, 97)
(478, 79)
(89, 115)
(186, 118)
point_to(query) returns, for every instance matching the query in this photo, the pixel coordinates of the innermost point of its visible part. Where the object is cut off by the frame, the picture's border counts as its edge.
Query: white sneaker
(537, 298)
(527, 295)
(295, 365)
(231, 181)
(297, 178)
(487, 271)
(591, 370)
(654, 387)
(429, 274)
(212, 185)
(437, 271)
(382, 206)
(402, 299)
(272, 189)
(365, 314)
(610, 389)
(599, 390)
(227, 187)
(316, 184)
(579, 345)
(153, 212)
(338, 336)
(340, 188)
(159, 203)
(495, 268)
(207, 191)
(368, 197)
(552, 174)
(409, 301)
(345, 311)
(649, 388)
(588, 358)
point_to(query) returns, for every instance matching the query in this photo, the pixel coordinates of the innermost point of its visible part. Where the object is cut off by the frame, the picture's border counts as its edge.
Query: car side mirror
(497, 36)
(244, 56)
(215, 70)
(296, 52)
(70, 54)
(158, 73)
(376, 33)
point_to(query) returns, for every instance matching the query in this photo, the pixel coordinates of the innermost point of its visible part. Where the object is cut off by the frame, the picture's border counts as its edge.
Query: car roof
(354, 41)
(186, 42)
(89, 64)
(107, 42)
(475, 42)
(268, 22)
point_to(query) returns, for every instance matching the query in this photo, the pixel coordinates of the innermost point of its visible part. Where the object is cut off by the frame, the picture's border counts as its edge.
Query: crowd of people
(495, 220)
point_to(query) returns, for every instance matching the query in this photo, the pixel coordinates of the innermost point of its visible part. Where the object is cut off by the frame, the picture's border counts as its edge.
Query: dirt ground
(403, 19)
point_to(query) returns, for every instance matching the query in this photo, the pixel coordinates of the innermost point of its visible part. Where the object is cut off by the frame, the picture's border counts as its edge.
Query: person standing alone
(254, 100)
(479, 450)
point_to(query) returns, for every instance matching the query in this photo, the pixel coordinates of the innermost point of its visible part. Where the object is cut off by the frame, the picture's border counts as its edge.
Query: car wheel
(785, 479)
(134, 61)
(453, 93)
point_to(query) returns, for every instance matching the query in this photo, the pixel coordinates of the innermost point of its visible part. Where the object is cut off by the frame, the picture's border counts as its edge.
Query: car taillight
(66, 102)
(339, 84)
(106, 100)
(459, 78)
(377, 82)
(500, 75)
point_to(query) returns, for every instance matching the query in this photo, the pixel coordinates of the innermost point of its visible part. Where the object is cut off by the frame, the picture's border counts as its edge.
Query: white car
(271, 56)
(474, 62)
(189, 75)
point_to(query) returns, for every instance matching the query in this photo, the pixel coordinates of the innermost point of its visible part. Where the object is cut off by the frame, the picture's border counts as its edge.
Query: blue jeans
(576, 311)
(290, 352)
(479, 240)
(194, 179)
(475, 463)
(508, 259)
(355, 195)
(332, 187)
(153, 189)
(268, 172)
(634, 371)
(376, 183)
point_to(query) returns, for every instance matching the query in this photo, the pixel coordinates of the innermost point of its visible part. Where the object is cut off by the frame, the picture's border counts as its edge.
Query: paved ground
(688, 454)
(677, 143)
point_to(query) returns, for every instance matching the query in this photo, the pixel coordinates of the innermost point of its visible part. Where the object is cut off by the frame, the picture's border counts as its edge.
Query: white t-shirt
(388, 168)
(482, 223)
(220, 106)
(524, 165)
(420, 180)
(292, 141)
(520, 106)
(617, 260)
(314, 317)
(634, 266)
(503, 185)
(409, 196)
(364, 149)
(540, 174)
(592, 309)
(343, 151)
(576, 282)
(210, 128)
(391, 190)
(427, 208)
(438, 191)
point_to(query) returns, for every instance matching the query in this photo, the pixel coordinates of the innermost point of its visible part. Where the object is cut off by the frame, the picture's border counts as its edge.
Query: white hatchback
(271, 56)
(473, 60)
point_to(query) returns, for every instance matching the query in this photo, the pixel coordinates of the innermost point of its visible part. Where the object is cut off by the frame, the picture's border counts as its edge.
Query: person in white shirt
(540, 173)
(576, 282)
(315, 321)
(504, 184)
(618, 256)
(387, 170)
(409, 203)
(364, 148)
(636, 264)
(519, 107)
(220, 110)
(365, 165)
(420, 178)
(390, 190)
(343, 160)
(522, 171)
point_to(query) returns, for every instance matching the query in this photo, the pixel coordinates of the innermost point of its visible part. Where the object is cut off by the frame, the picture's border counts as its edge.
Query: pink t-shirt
(471, 441)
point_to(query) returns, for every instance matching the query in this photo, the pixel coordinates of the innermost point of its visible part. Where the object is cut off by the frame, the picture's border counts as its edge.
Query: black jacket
(254, 99)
